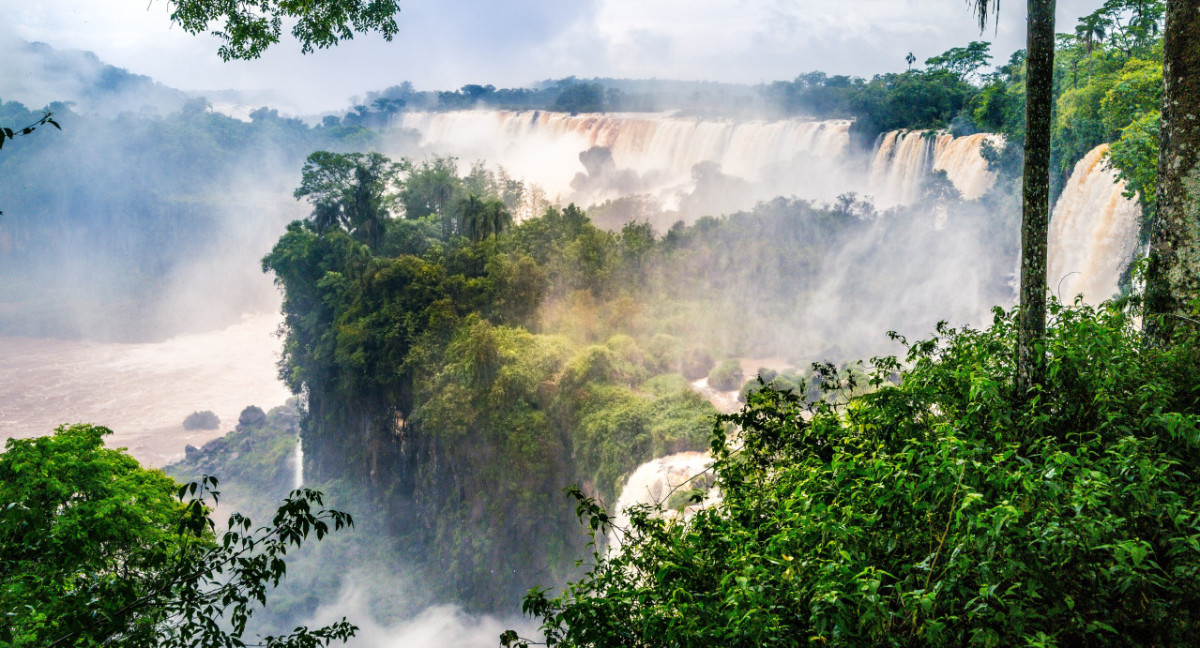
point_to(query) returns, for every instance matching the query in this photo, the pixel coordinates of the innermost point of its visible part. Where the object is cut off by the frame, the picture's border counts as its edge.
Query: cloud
(443, 44)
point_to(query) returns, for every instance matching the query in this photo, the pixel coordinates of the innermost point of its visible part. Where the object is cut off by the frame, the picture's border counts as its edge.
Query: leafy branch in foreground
(95, 550)
(9, 133)
(249, 27)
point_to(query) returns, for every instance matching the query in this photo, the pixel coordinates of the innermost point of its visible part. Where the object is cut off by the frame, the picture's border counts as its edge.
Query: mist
(432, 627)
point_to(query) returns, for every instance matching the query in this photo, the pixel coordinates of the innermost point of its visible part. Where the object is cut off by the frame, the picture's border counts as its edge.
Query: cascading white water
(904, 159)
(1093, 232)
(298, 464)
(655, 481)
(900, 164)
(960, 158)
(790, 156)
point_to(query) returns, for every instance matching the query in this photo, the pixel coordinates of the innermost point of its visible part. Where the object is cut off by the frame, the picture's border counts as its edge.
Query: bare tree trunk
(1035, 213)
(1173, 278)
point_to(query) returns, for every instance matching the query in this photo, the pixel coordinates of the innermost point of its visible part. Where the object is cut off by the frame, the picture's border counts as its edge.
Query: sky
(444, 44)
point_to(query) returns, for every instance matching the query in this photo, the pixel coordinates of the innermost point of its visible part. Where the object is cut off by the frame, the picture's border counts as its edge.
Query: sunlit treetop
(248, 27)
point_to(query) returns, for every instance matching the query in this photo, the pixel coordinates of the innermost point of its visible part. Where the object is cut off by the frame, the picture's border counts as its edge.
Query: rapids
(142, 391)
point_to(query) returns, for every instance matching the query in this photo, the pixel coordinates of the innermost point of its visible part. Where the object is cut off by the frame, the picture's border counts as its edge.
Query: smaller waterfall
(1093, 232)
(901, 163)
(960, 158)
(298, 464)
(655, 481)
(904, 159)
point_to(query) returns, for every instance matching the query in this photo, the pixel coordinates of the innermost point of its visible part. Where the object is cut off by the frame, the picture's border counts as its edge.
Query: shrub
(205, 420)
(940, 512)
(726, 376)
(252, 416)
(696, 364)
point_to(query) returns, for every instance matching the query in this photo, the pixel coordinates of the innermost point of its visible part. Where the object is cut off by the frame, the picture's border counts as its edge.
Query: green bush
(205, 420)
(726, 376)
(695, 364)
(940, 512)
(251, 417)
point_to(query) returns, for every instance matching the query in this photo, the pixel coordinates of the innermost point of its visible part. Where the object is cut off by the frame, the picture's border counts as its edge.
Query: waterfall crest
(904, 159)
(651, 153)
(1093, 231)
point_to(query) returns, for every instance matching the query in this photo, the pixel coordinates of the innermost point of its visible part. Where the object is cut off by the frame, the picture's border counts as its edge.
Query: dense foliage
(1107, 87)
(932, 513)
(248, 29)
(96, 550)
(468, 424)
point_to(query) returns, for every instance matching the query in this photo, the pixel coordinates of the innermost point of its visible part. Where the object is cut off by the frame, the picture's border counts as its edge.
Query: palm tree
(1035, 208)
(1092, 29)
(472, 217)
(498, 216)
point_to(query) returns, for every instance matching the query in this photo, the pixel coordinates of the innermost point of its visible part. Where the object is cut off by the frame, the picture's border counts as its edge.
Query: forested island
(479, 370)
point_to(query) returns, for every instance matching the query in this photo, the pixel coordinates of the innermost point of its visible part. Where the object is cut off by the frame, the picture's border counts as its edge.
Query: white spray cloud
(445, 44)
(437, 626)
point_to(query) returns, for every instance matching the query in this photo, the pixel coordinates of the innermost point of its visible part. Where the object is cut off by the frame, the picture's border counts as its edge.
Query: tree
(248, 28)
(580, 97)
(1035, 186)
(1092, 28)
(352, 190)
(431, 188)
(96, 550)
(1173, 276)
(962, 61)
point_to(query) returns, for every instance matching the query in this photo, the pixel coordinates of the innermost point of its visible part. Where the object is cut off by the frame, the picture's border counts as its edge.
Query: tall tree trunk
(1173, 278)
(1035, 212)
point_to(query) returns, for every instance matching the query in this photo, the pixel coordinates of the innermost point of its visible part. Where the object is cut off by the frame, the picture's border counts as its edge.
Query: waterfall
(904, 159)
(960, 158)
(298, 464)
(651, 153)
(1093, 231)
(656, 480)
